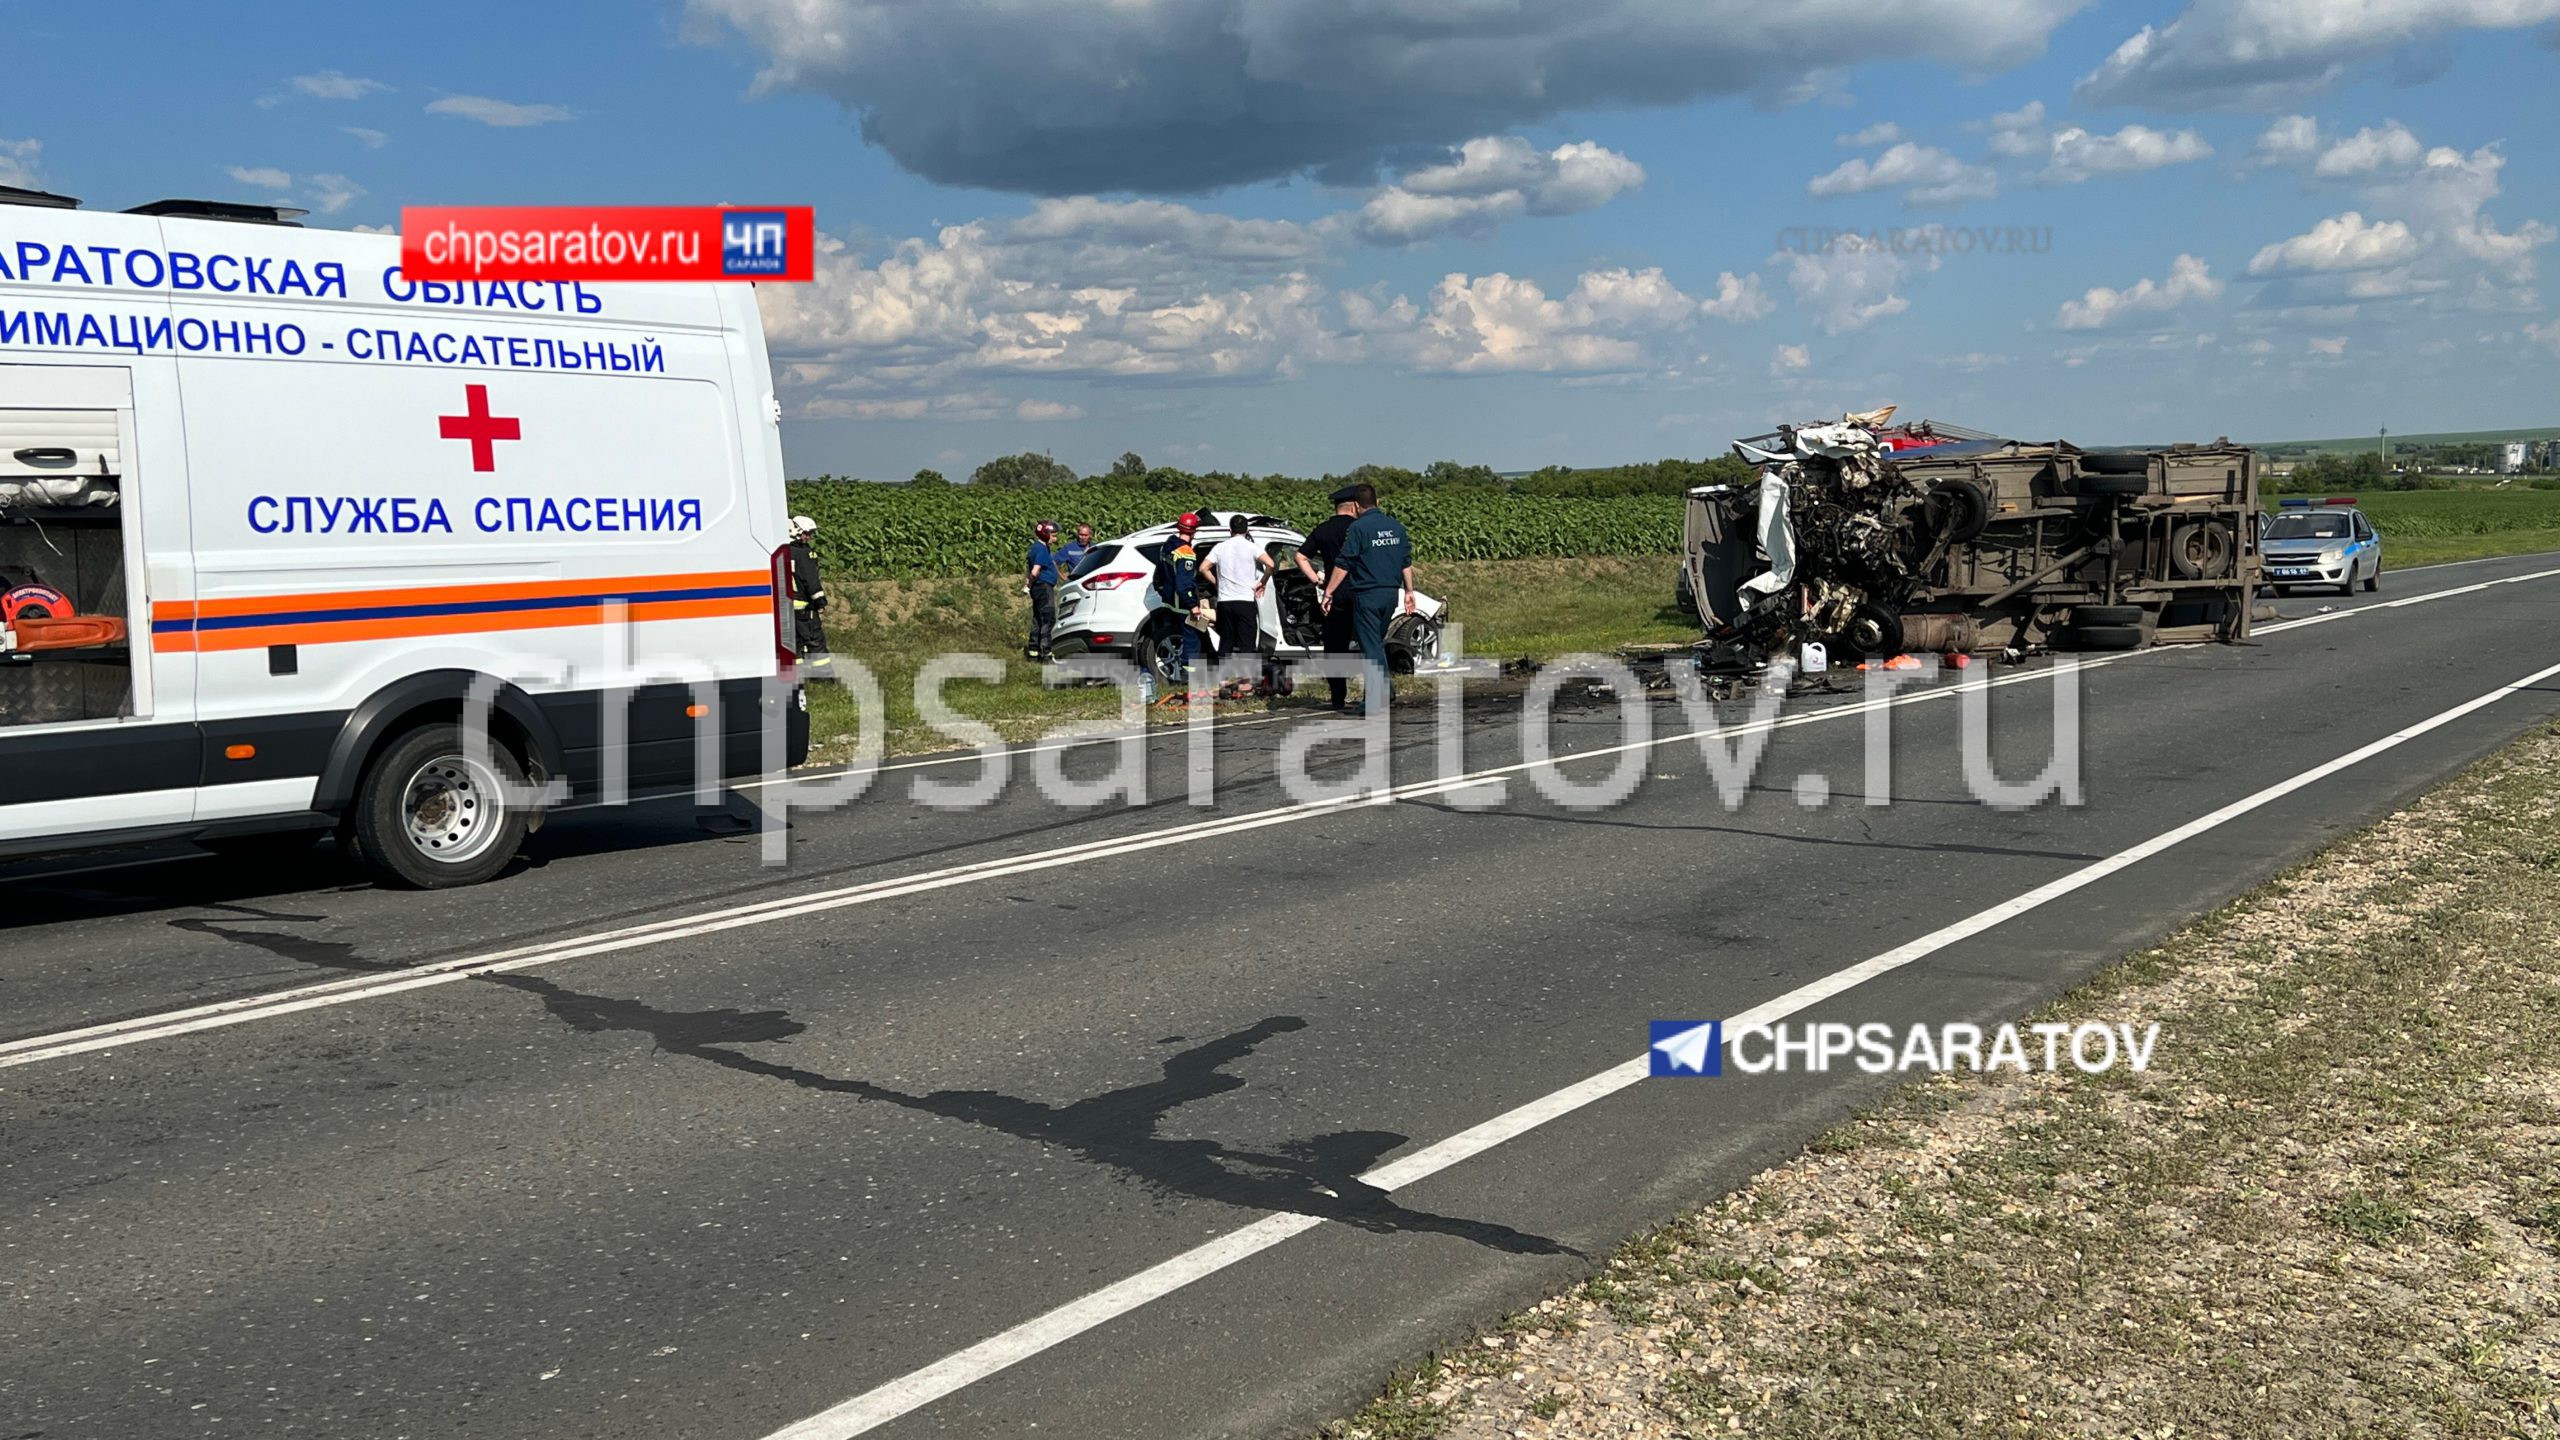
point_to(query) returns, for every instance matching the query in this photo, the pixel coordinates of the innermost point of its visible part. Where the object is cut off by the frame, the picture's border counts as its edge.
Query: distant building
(2545, 455)
(2511, 457)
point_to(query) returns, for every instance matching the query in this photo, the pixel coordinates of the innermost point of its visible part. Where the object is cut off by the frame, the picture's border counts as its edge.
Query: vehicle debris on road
(1871, 539)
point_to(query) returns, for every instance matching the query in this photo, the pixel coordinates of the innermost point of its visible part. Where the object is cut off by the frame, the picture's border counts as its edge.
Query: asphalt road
(714, 1177)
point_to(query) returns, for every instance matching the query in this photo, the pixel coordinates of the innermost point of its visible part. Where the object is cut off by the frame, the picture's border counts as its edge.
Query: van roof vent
(42, 199)
(221, 210)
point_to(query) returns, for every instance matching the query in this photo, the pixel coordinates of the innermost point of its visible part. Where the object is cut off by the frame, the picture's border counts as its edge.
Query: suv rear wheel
(430, 816)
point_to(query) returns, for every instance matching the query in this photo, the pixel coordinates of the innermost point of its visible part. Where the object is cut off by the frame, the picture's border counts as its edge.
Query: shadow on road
(1315, 1176)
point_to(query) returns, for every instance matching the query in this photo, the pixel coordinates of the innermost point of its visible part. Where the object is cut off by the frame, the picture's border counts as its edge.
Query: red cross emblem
(480, 427)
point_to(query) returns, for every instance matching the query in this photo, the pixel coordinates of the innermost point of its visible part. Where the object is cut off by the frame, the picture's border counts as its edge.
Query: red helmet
(1045, 529)
(1188, 521)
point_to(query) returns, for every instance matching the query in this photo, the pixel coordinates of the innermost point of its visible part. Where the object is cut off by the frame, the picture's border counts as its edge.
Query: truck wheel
(2202, 551)
(2107, 637)
(428, 817)
(1874, 631)
(1957, 509)
(2086, 615)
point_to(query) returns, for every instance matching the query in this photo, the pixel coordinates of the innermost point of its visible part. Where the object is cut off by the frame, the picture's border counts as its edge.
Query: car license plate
(2288, 572)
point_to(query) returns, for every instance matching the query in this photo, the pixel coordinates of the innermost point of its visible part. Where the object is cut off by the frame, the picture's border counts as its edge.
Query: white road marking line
(882, 1404)
(60, 1044)
(2405, 600)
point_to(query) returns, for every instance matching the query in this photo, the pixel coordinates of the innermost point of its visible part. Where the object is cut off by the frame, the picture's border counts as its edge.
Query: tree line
(1032, 470)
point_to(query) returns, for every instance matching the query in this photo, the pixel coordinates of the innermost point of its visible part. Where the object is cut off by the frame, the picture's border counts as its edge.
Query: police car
(1109, 606)
(2321, 542)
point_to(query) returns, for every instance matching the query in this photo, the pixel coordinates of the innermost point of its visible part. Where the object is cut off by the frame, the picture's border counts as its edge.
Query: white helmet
(803, 525)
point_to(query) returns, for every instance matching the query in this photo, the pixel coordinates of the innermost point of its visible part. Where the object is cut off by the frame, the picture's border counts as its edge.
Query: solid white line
(2346, 612)
(882, 1404)
(60, 1044)
(2474, 560)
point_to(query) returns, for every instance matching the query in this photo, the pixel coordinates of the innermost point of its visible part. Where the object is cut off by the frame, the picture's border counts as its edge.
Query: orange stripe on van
(637, 585)
(414, 627)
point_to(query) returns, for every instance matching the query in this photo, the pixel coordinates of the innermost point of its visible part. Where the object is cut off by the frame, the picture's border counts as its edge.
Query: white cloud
(1739, 301)
(500, 113)
(2260, 53)
(1502, 323)
(2454, 257)
(2077, 155)
(2368, 150)
(1491, 180)
(2329, 345)
(2341, 242)
(330, 194)
(2015, 134)
(1926, 176)
(334, 85)
(370, 139)
(325, 85)
(18, 166)
(1181, 96)
(265, 177)
(2188, 281)
(1883, 132)
(2290, 140)
(1791, 358)
(1037, 410)
(1852, 283)
(2546, 336)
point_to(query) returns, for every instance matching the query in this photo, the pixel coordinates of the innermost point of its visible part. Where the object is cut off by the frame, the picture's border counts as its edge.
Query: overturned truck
(1872, 539)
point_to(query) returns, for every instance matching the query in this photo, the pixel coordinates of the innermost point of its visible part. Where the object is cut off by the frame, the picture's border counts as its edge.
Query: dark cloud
(1171, 96)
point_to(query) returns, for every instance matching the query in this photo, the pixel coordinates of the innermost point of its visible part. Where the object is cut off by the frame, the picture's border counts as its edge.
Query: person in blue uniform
(1316, 560)
(1374, 578)
(1041, 584)
(1071, 554)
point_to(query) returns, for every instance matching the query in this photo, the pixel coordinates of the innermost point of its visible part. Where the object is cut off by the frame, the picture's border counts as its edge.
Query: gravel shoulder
(2330, 1206)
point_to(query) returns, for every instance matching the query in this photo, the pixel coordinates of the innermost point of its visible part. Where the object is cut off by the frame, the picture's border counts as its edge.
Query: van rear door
(96, 728)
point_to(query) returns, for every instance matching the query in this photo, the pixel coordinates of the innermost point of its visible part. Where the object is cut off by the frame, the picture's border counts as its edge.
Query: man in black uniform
(1324, 548)
(808, 599)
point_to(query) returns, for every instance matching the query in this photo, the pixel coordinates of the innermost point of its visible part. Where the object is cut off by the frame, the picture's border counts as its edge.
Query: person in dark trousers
(808, 601)
(1071, 554)
(1375, 579)
(1238, 568)
(1041, 584)
(1177, 584)
(1315, 560)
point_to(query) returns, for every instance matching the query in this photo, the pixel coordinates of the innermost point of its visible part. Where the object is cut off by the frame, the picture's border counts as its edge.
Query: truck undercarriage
(1873, 540)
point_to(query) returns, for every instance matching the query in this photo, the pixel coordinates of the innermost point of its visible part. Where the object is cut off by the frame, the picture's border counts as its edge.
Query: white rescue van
(272, 516)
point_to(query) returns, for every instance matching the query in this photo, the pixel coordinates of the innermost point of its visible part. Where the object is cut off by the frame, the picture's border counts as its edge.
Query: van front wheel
(430, 816)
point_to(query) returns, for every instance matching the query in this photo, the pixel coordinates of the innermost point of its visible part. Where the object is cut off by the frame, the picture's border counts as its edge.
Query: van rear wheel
(430, 816)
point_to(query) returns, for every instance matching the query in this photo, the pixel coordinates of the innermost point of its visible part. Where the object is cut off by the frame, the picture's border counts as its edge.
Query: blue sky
(1280, 235)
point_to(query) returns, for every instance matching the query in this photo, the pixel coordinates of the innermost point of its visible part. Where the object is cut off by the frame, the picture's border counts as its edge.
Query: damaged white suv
(1110, 605)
